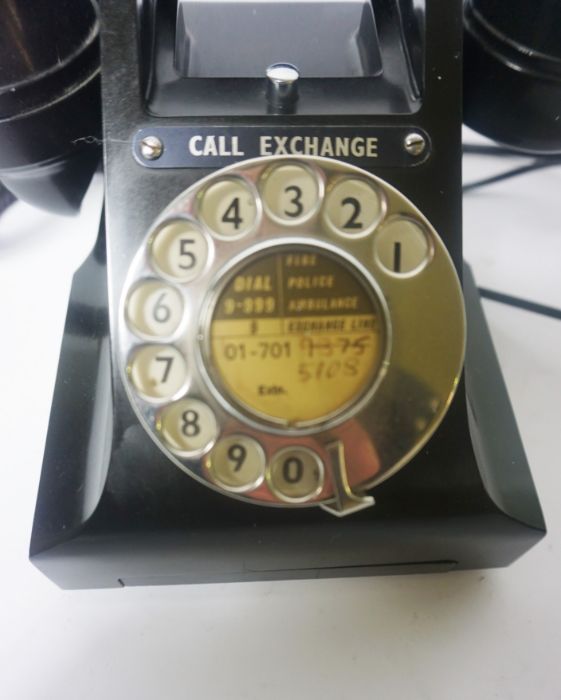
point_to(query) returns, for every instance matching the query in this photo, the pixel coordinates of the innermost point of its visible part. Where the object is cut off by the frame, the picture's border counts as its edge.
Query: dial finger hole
(154, 309)
(187, 426)
(296, 475)
(228, 208)
(353, 207)
(179, 251)
(402, 247)
(157, 372)
(291, 193)
(237, 463)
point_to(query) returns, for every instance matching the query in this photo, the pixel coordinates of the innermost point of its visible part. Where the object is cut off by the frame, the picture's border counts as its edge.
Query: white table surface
(478, 634)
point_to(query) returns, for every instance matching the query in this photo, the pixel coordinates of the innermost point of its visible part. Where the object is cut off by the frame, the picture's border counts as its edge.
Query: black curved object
(112, 510)
(512, 72)
(50, 113)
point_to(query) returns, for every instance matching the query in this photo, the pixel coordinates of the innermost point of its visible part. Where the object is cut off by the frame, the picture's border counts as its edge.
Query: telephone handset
(284, 321)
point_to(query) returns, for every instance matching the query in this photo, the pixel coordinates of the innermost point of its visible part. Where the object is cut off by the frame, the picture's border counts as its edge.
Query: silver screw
(151, 147)
(414, 144)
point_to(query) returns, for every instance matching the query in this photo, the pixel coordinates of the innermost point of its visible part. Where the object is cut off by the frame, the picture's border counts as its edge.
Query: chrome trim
(424, 359)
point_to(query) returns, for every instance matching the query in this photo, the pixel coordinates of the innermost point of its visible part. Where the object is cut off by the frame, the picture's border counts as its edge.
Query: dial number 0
(292, 470)
(296, 474)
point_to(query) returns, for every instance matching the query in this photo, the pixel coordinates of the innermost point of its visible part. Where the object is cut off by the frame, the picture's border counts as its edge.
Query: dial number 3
(296, 201)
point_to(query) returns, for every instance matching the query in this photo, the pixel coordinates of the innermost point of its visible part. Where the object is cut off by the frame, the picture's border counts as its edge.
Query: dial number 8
(190, 426)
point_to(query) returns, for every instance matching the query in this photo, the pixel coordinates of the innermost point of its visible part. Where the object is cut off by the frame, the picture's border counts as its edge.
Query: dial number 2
(353, 207)
(352, 222)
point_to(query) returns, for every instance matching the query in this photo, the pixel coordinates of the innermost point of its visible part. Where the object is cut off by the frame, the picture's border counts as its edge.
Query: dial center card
(296, 336)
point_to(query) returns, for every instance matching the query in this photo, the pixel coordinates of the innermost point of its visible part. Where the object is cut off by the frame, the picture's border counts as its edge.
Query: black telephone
(272, 321)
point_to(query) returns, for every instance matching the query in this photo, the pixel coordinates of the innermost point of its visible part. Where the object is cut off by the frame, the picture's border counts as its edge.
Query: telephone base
(112, 510)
